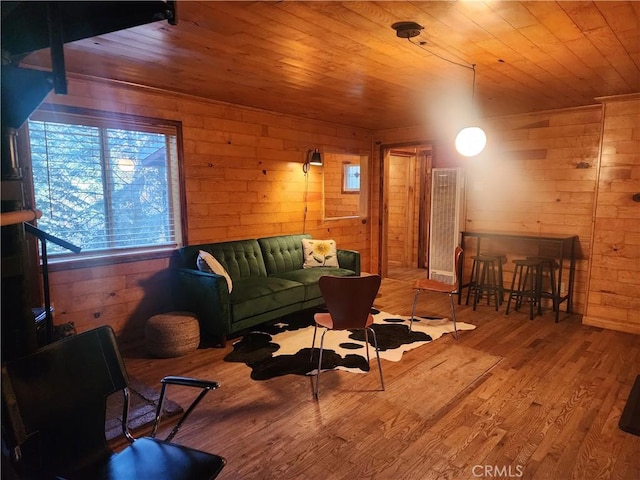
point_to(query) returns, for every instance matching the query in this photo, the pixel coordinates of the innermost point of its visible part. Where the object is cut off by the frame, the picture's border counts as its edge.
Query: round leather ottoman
(172, 334)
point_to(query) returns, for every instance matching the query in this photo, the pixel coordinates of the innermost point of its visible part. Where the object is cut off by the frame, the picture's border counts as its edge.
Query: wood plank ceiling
(342, 62)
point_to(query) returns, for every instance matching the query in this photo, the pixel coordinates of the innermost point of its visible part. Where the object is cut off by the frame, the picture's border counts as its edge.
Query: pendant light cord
(473, 89)
(470, 67)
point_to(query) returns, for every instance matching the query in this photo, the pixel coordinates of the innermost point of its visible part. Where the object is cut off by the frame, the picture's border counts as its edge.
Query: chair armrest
(349, 259)
(190, 382)
(205, 387)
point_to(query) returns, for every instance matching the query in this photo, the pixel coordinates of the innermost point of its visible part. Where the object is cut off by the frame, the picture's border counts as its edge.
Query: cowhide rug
(284, 347)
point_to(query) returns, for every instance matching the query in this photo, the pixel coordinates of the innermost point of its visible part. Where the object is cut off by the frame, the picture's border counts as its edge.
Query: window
(106, 183)
(350, 178)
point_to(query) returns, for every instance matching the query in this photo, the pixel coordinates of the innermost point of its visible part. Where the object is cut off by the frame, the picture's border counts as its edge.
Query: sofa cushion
(309, 278)
(282, 253)
(241, 258)
(263, 294)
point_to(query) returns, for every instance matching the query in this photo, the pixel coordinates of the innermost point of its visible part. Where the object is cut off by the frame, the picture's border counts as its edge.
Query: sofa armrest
(206, 295)
(349, 259)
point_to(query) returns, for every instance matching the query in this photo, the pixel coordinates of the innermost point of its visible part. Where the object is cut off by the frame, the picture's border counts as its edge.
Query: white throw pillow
(319, 253)
(208, 263)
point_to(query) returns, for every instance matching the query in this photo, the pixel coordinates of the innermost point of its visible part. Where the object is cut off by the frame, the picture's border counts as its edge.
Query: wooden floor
(513, 398)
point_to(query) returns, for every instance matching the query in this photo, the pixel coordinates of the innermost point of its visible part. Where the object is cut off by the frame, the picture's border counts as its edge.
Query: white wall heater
(446, 221)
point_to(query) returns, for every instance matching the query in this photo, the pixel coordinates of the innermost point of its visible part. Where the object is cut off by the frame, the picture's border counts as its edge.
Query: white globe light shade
(470, 141)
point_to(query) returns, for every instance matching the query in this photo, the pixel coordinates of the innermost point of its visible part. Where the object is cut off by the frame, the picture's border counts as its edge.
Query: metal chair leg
(319, 364)
(366, 342)
(313, 343)
(375, 342)
(453, 315)
(413, 310)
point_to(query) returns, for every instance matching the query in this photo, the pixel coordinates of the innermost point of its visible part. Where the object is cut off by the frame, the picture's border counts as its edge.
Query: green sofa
(268, 282)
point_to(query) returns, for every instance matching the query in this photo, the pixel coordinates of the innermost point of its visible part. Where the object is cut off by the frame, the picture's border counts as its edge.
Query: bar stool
(527, 277)
(502, 259)
(551, 266)
(486, 279)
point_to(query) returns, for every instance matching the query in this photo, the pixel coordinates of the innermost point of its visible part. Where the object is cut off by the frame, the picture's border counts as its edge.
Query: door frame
(384, 195)
(424, 216)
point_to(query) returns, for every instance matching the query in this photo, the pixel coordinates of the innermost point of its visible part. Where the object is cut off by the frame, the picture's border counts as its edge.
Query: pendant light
(471, 140)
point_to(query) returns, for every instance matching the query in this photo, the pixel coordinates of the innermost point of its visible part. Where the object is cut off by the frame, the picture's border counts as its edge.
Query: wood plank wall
(336, 202)
(244, 179)
(527, 180)
(614, 277)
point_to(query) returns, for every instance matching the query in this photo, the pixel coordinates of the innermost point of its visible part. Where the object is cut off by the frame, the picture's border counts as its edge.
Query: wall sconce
(313, 158)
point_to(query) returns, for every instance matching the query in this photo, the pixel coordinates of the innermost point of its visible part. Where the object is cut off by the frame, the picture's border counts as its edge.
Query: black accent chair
(54, 407)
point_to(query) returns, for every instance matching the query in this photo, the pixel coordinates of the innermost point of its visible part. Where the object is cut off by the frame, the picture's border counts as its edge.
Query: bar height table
(564, 245)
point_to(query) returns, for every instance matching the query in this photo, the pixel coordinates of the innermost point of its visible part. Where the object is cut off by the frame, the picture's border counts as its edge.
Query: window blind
(105, 185)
